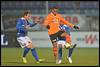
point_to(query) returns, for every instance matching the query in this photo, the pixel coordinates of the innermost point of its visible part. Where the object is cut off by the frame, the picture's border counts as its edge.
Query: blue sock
(35, 54)
(70, 52)
(60, 53)
(26, 50)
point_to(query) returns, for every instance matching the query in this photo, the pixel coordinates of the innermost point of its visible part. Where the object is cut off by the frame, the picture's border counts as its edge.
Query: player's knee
(54, 44)
(30, 45)
(63, 34)
(60, 45)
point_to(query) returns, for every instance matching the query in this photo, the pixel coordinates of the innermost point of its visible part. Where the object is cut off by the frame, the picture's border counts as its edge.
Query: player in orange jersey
(52, 23)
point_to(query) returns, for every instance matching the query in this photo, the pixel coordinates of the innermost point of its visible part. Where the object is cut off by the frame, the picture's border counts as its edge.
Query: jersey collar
(23, 18)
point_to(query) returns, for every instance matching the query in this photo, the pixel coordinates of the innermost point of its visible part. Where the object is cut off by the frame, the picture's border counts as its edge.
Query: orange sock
(68, 38)
(55, 52)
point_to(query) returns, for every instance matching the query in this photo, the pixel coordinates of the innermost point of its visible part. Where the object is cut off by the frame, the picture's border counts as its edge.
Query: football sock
(35, 54)
(70, 51)
(60, 53)
(55, 52)
(26, 50)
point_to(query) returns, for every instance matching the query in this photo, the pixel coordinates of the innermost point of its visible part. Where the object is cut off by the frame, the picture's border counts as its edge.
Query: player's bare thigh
(63, 34)
(29, 43)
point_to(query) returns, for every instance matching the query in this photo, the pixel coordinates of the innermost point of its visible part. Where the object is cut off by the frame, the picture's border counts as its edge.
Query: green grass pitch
(80, 57)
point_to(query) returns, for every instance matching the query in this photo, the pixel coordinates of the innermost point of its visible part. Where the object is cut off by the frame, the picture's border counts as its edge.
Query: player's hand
(37, 19)
(48, 27)
(76, 27)
(27, 26)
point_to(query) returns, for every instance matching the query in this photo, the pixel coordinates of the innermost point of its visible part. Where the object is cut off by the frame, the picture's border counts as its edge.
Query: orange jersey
(54, 23)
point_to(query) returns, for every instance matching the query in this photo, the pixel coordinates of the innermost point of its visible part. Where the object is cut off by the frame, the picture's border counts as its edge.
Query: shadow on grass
(15, 62)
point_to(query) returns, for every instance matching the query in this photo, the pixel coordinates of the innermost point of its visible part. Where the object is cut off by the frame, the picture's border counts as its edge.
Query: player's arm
(68, 23)
(47, 21)
(36, 20)
(31, 24)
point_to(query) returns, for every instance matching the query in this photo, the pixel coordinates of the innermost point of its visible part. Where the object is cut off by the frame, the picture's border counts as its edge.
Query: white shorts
(61, 42)
(24, 41)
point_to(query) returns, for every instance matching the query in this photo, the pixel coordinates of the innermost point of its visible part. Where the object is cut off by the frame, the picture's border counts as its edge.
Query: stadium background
(85, 14)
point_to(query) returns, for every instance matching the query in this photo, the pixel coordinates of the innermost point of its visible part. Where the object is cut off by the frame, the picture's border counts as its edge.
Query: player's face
(55, 11)
(28, 16)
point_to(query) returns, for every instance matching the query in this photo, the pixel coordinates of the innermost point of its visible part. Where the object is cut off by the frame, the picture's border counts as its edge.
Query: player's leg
(33, 50)
(70, 51)
(59, 53)
(26, 50)
(71, 48)
(22, 43)
(68, 42)
(63, 33)
(55, 49)
(69, 55)
(53, 39)
(68, 39)
(60, 44)
(35, 55)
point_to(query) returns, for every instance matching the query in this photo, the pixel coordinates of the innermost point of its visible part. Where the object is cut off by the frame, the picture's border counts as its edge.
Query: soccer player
(52, 23)
(62, 42)
(25, 42)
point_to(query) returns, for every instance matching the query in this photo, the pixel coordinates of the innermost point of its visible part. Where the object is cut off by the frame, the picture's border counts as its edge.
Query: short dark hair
(55, 7)
(26, 12)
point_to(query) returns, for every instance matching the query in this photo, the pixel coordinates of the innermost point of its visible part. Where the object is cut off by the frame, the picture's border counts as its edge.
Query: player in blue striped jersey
(25, 42)
(62, 42)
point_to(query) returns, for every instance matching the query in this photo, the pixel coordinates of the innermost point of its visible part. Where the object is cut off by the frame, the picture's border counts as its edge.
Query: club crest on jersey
(55, 21)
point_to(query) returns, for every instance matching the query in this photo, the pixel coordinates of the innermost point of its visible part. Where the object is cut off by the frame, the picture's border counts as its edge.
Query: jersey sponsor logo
(55, 21)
